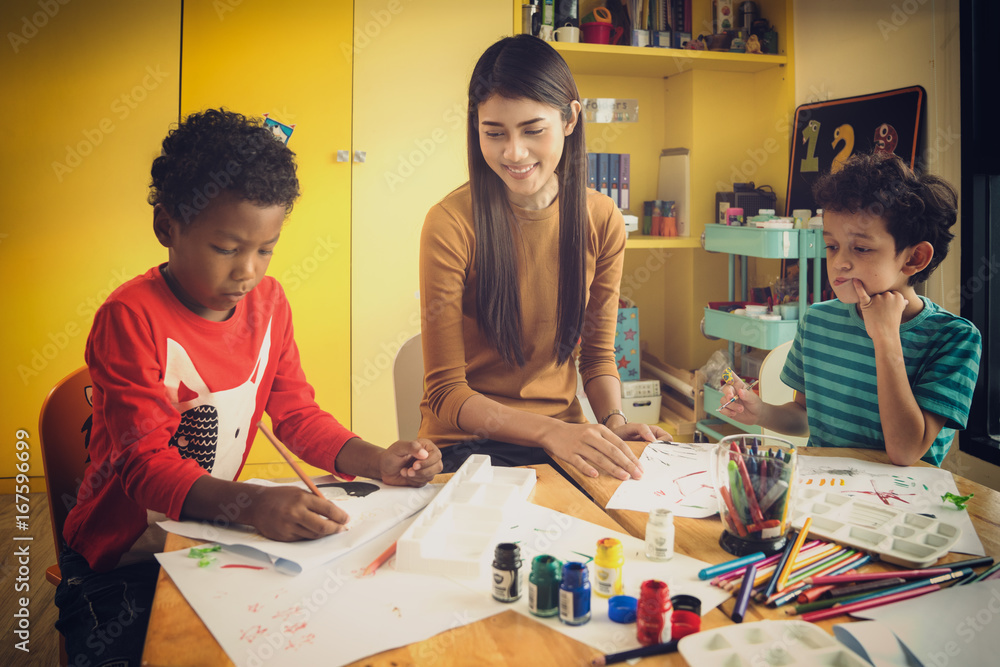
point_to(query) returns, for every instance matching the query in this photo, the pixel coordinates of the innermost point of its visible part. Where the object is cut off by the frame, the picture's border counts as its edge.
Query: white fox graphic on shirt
(213, 428)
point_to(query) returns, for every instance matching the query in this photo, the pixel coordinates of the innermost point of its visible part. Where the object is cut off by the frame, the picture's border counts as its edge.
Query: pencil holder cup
(754, 476)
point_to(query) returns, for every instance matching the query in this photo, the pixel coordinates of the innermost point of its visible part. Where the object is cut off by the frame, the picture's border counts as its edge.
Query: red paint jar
(653, 613)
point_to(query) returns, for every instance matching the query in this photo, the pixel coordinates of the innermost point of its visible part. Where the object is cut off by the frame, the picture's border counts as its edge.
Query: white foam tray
(456, 534)
(766, 643)
(896, 536)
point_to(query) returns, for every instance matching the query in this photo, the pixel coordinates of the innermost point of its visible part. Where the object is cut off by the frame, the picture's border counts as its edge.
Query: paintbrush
(736, 398)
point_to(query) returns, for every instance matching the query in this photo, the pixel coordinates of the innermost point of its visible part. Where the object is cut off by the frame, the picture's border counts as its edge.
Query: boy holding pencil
(184, 360)
(878, 367)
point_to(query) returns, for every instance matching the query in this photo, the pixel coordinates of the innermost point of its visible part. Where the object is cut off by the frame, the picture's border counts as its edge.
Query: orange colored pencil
(380, 561)
(783, 575)
(287, 455)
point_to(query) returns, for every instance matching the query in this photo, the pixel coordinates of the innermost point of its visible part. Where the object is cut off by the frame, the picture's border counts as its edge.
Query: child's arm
(286, 514)
(909, 430)
(789, 418)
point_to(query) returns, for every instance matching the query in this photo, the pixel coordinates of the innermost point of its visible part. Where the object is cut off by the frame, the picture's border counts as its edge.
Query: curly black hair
(916, 208)
(217, 151)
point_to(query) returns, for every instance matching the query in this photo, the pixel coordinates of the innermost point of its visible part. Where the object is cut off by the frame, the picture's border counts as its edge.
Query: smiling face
(859, 247)
(522, 142)
(221, 255)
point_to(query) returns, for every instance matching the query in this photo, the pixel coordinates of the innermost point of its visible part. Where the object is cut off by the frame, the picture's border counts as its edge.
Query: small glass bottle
(652, 617)
(660, 535)
(608, 567)
(506, 572)
(574, 594)
(543, 586)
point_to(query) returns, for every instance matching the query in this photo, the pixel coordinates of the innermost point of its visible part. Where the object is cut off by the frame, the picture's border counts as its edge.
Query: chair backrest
(64, 434)
(773, 390)
(408, 381)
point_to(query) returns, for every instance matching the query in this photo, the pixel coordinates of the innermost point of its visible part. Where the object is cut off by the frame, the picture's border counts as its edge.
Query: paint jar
(652, 624)
(543, 585)
(686, 616)
(734, 217)
(753, 477)
(608, 567)
(660, 534)
(506, 572)
(574, 594)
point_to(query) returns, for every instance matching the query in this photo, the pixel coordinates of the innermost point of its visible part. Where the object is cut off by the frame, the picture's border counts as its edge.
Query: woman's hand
(591, 449)
(641, 432)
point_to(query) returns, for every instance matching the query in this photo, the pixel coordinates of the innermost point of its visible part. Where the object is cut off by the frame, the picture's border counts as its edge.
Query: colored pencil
(972, 562)
(287, 455)
(868, 604)
(763, 567)
(872, 576)
(751, 497)
(864, 587)
(986, 573)
(786, 571)
(796, 589)
(785, 555)
(736, 397)
(740, 610)
(380, 561)
(655, 649)
(721, 568)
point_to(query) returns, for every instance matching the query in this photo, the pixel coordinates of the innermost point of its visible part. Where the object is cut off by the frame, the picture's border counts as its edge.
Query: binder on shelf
(592, 170)
(614, 163)
(623, 181)
(603, 183)
(675, 185)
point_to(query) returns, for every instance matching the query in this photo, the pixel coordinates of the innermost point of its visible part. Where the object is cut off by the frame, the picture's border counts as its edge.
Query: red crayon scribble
(245, 567)
(252, 633)
(255, 607)
(296, 627)
(307, 639)
(659, 493)
(288, 613)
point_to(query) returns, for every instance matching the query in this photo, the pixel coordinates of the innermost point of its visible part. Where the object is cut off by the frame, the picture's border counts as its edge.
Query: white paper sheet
(957, 626)
(913, 489)
(327, 615)
(373, 508)
(675, 476)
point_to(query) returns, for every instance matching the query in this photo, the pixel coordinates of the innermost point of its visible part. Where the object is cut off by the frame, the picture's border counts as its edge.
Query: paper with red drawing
(675, 476)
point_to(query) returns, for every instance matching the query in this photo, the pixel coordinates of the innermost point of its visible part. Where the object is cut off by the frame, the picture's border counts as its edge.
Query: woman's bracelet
(614, 411)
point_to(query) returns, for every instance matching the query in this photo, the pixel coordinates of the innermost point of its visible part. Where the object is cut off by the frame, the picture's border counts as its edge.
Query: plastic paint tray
(904, 538)
(456, 533)
(767, 643)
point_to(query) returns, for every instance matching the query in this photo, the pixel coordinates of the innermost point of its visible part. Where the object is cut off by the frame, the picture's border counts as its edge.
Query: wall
(853, 47)
(411, 73)
(89, 90)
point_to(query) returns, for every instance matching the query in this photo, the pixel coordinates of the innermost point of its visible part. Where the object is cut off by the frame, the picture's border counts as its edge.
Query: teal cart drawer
(747, 330)
(755, 242)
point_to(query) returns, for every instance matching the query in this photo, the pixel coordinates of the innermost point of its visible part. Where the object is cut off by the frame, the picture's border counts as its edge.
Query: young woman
(518, 268)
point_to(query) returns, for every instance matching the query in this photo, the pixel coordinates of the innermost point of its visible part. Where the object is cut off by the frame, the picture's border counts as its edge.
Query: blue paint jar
(574, 594)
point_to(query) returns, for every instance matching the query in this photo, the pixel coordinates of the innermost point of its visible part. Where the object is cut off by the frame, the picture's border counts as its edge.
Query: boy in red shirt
(185, 359)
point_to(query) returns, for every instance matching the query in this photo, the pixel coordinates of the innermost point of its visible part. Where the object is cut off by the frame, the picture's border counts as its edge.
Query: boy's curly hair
(216, 151)
(916, 208)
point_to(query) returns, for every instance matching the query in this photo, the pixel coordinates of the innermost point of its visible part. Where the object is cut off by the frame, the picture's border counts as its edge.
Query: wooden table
(699, 538)
(177, 636)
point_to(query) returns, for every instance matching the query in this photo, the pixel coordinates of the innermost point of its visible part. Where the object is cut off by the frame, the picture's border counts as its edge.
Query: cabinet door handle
(360, 156)
(343, 156)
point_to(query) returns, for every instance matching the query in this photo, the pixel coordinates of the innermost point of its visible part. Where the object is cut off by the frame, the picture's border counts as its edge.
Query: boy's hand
(288, 514)
(882, 313)
(747, 409)
(410, 463)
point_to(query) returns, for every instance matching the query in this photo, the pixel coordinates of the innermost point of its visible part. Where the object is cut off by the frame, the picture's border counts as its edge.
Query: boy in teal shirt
(879, 367)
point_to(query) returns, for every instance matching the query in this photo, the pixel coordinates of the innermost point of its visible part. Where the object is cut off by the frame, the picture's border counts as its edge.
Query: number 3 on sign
(809, 136)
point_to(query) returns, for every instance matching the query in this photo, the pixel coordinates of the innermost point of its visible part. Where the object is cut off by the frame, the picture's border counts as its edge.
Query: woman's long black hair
(515, 68)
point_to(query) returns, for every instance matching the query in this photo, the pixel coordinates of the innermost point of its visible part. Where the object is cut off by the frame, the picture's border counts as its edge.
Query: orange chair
(64, 433)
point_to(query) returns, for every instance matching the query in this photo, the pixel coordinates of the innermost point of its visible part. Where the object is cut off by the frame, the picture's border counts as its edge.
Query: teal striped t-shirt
(832, 360)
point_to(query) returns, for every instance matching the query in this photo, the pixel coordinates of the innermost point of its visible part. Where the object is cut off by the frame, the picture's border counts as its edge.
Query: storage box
(627, 343)
(641, 401)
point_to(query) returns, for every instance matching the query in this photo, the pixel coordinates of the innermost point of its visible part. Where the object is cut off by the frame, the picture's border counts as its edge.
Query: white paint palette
(766, 644)
(456, 533)
(904, 538)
